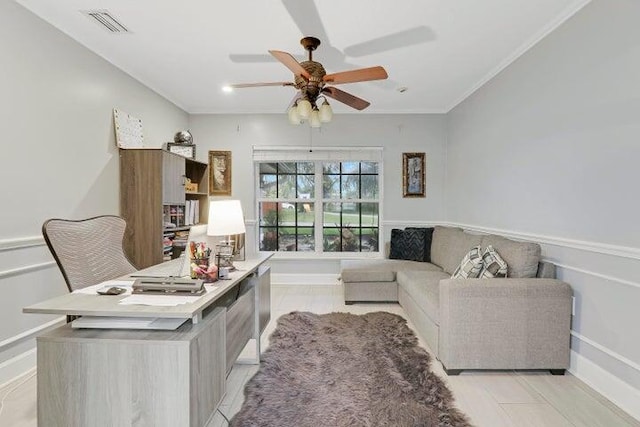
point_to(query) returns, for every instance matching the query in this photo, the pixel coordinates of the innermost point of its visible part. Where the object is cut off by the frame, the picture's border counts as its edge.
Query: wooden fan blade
(290, 62)
(243, 85)
(361, 75)
(345, 98)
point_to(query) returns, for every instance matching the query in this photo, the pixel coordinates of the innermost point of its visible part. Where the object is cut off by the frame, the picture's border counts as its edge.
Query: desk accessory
(113, 290)
(200, 266)
(225, 219)
(169, 286)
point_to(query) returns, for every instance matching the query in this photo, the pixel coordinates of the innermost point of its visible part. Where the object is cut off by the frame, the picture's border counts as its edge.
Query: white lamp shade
(326, 113)
(294, 117)
(314, 119)
(304, 108)
(225, 218)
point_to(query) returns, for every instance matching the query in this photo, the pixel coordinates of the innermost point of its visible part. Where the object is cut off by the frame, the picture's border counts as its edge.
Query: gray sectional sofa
(518, 322)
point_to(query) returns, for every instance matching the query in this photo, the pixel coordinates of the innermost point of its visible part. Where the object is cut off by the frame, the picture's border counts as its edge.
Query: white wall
(58, 159)
(548, 150)
(396, 133)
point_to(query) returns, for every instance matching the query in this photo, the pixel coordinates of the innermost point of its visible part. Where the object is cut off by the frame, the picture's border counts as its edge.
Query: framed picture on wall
(413, 176)
(220, 173)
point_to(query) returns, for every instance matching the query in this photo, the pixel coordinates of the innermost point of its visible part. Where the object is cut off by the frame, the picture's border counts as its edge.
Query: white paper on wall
(128, 130)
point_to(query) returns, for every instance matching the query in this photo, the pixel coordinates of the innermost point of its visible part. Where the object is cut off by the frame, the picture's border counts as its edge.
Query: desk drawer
(240, 324)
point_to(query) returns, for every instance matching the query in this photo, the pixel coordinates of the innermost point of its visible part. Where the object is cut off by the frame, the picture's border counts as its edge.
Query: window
(318, 205)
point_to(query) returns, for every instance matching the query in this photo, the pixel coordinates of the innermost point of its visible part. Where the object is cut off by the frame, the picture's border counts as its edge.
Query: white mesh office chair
(88, 251)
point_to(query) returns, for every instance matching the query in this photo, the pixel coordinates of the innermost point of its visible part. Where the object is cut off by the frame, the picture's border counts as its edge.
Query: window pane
(268, 186)
(351, 214)
(306, 214)
(350, 186)
(287, 186)
(306, 167)
(350, 239)
(369, 214)
(268, 213)
(287, 239)
(331, 240)
(369, 239)
(350, 167)
(305, 186)
(268, 239)
(331, 167)
(286, 168)
(287, 214)
(268, 167)
(369, 186)
(331, 186)
(331, 214)
(305, 239)
(369, 167)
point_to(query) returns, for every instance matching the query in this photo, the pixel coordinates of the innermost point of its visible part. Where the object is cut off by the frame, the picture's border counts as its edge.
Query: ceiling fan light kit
(311, 79)
(314, 119)
(326, 113)
(294, 116)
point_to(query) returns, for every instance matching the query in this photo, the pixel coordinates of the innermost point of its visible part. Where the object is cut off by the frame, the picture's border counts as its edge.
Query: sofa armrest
(504, 323)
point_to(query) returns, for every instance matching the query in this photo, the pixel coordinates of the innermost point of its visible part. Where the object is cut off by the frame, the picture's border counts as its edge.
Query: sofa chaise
(518, 322)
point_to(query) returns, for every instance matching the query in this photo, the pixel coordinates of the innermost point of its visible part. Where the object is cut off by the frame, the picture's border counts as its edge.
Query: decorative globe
(183, 137)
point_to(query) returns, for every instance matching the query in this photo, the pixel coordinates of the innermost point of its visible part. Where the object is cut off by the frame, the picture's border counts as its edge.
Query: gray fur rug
(341, 369)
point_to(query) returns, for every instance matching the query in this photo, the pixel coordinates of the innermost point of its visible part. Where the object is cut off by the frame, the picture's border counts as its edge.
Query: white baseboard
(305, 279)
(17, 366)
(617, 391)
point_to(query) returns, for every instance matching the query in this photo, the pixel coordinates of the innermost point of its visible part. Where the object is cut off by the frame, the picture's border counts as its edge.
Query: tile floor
(495, 399)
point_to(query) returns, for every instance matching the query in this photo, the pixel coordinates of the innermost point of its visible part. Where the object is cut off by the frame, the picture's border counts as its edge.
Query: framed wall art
(219, 173)
(413, 176)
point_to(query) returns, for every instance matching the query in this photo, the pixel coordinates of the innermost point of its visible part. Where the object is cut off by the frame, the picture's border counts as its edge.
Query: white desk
(108, 305)
(103, 377)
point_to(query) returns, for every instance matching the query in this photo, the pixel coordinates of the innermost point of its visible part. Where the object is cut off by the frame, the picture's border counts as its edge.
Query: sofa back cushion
(521, 257)
(449, 245)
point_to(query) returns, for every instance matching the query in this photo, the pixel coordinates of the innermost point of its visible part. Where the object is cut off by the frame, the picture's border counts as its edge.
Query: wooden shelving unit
(152, 184)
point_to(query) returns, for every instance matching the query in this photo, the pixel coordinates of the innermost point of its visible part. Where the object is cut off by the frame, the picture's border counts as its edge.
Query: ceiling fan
(311, 80)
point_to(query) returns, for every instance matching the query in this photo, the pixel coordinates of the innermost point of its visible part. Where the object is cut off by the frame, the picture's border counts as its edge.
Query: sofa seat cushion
(380, 270)
(424, 288)
(449, 245)
(522, 258)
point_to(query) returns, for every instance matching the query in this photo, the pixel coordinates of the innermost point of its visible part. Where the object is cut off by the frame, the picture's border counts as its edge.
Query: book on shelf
(192, 212)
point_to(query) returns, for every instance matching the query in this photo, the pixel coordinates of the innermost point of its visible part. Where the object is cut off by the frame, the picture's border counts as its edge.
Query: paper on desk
(92, 290)
(157, 300)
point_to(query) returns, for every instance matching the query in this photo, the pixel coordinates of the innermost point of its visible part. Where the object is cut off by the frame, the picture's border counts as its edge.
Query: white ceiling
(441, 50)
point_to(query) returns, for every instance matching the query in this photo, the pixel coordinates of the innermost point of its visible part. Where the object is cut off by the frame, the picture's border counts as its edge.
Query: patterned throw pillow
(407, 244)
(493, 264)
(470, 266)
(428, 237)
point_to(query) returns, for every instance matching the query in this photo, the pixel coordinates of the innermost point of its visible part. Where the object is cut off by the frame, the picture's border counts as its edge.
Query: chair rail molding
(596, 247)
(21, 242)
(27, 269)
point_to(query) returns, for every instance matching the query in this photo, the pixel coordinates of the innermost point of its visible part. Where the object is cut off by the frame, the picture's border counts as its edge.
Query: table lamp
(225, 219)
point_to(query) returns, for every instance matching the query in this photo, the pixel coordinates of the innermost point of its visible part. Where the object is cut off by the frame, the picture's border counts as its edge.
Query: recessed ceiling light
(227, 89)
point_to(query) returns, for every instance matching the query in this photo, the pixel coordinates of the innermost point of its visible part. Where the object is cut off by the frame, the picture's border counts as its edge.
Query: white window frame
(275, 154)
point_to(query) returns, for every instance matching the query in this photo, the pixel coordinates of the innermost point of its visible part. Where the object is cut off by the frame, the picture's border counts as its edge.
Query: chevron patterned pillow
(428, 237)
(408, 244)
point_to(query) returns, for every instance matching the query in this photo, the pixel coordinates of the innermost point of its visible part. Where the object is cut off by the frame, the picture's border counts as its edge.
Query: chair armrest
(504, 288)
(504, 323)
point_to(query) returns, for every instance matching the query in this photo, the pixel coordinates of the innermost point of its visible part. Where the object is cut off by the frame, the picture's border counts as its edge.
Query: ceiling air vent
(106, 20)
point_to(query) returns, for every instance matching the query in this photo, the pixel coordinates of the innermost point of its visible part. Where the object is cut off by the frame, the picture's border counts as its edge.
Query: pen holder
(202, 269)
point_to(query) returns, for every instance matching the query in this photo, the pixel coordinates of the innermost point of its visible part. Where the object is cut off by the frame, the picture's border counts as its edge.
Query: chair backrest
(88, 251)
